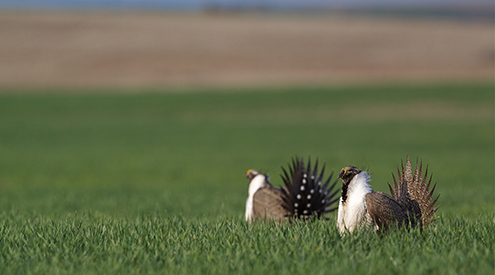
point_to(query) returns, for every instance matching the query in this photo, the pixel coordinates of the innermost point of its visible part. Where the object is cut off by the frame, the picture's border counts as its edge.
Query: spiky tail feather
(414, 191)
(307, 192)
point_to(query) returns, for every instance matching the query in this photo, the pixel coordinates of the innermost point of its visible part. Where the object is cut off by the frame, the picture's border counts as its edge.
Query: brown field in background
(119, 49)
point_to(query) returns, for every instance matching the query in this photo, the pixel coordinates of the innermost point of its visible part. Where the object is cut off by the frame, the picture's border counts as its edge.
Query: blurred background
(75, 43)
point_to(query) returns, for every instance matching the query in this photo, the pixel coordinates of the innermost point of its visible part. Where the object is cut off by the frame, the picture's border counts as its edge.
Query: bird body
(306, 194)
(258, 181)
(410, 202)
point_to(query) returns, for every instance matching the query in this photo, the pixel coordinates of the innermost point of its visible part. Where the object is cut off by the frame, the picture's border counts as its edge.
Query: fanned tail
(309, 193)
(413, 191)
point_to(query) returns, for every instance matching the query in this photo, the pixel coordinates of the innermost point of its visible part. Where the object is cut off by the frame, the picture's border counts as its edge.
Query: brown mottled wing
(414, 191)
(384, 210)
(268, 203)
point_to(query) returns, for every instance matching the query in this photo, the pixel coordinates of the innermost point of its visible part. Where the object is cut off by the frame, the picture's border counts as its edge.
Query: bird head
(347, 173)
(256, 180)
(251, 173)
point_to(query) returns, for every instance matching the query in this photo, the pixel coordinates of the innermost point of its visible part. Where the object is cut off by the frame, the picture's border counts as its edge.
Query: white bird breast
(255, 184)
(352, 214)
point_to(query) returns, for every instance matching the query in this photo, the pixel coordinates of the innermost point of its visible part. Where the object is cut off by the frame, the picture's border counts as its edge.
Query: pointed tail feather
(410, 187)
(309, 194)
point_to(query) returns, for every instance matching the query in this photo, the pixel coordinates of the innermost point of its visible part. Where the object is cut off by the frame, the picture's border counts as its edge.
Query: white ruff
(255, 184)
(353, 213)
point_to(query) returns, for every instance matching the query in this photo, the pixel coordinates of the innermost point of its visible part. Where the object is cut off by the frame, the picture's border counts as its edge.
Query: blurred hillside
(132, 49)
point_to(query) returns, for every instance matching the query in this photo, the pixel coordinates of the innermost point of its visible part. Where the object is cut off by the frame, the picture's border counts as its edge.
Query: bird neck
(358, 187)
(256, 183)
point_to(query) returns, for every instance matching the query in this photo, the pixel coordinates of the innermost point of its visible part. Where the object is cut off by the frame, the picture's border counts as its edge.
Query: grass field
(150, 182)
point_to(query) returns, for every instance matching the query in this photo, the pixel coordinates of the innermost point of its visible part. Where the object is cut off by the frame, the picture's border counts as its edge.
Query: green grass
(156, 242)
(152, 182)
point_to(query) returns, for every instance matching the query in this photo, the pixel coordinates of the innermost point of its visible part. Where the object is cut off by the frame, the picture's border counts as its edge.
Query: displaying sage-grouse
(306, 194)
(410, 202)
